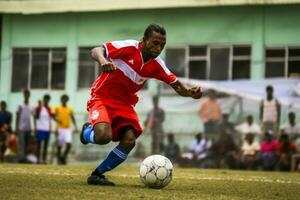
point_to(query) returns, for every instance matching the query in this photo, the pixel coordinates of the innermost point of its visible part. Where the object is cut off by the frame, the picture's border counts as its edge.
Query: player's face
(154, 44)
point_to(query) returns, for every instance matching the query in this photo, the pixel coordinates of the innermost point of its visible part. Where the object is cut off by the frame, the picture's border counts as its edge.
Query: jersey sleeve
(162, 73)
(118, 49)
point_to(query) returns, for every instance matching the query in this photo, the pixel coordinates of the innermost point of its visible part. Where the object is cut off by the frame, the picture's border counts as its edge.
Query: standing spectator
(270, 112)
(286, 149)
(172, 149)
(64, 115)
(43, 117)
(5, 128)
(211, 115)
(23, 126)
(268, 149)
(154, 122)
(249, 152)
(291, 128)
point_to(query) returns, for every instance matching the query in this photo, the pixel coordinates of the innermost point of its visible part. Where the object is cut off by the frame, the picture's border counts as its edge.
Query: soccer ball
(156, 171)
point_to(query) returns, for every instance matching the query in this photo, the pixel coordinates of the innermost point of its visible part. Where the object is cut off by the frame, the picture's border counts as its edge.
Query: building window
(38, 68)
(210, 62)
(89, 70)
(282, 62)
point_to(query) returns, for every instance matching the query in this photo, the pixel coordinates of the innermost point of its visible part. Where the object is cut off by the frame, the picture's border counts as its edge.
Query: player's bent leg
(115, 157)
(127, 141)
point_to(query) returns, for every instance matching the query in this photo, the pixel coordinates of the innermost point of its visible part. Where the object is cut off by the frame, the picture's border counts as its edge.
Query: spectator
(197, 153)
(23, 126)
(211, 115)
(291, 128)
(270, 112)
(172, 149)
(268, 149)
(64, 115)
(286, 149)
(10, 154)
(154, 122)
(43, 117)
(249, 152)
(248, 127)
(5, 128)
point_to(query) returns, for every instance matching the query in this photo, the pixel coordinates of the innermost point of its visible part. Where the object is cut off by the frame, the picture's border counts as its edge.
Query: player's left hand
(196, 92)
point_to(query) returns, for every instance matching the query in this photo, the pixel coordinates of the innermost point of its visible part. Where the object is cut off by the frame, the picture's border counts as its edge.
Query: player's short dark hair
(156, 28)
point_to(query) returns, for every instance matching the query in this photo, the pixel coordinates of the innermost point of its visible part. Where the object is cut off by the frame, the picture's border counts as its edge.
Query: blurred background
(233, 48)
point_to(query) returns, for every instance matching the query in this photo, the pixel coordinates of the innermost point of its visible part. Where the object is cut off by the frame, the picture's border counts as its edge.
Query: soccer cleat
(99, 180)
(82, 140)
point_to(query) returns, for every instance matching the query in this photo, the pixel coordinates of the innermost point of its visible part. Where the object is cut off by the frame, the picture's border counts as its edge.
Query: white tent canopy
(287, 91)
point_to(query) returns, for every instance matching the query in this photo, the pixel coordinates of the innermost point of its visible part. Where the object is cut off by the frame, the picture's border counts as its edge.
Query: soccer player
(126, 65)
(64, 115)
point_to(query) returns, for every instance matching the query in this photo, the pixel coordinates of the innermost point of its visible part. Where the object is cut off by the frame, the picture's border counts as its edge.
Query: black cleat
(99, 180)
(82, 140)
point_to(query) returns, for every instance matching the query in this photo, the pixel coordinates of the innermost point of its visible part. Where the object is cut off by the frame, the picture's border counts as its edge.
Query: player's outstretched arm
(194, 92)
(97, 54)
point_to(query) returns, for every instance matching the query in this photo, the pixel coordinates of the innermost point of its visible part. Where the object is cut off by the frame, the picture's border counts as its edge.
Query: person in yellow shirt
(64, 115)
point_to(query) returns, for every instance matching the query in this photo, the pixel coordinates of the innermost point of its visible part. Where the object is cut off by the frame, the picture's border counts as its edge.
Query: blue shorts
(42, 135)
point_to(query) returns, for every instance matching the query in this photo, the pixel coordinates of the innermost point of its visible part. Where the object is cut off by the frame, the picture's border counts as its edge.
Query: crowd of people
(248, 145)
(29, 141)
(269, 146)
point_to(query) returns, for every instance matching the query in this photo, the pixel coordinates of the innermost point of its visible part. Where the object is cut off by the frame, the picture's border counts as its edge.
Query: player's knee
(128, 141)
(102, 134)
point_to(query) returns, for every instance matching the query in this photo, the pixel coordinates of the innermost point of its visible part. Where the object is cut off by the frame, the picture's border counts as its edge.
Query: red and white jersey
(120, 87)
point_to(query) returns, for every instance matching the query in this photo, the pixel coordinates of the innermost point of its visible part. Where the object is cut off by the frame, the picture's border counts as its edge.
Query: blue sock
(89, 134)
(114, 158)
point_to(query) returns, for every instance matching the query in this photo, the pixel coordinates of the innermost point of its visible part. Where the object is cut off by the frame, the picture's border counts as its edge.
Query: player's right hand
(196, 92)
(108, 67)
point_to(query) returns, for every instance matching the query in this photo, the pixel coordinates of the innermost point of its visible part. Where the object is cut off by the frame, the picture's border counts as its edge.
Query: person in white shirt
(198, 150)
(43, 115)
(249, 126)
(291, 128)
(249, 151)
(270, 111)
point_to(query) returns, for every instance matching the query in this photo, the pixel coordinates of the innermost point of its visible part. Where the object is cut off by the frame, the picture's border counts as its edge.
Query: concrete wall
(256, 25)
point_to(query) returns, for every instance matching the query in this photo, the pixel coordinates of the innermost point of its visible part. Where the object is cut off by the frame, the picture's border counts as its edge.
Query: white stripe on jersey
(129, 72)
(162, 64)
(125, 43)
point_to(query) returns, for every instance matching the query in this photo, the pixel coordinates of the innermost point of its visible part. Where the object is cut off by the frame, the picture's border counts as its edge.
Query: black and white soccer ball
(156, 171)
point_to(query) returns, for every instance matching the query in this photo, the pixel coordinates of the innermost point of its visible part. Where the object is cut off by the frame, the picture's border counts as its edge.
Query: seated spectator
(10, 154)
(291, 128)
(249, 151)
(268, 149)
(286, 148)
(172, 150)
(295, 162)
(5, 128)
(249, 126)
(197, 153)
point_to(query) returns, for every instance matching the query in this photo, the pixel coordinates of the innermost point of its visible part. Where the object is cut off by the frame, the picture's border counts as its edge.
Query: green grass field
(69, 182)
